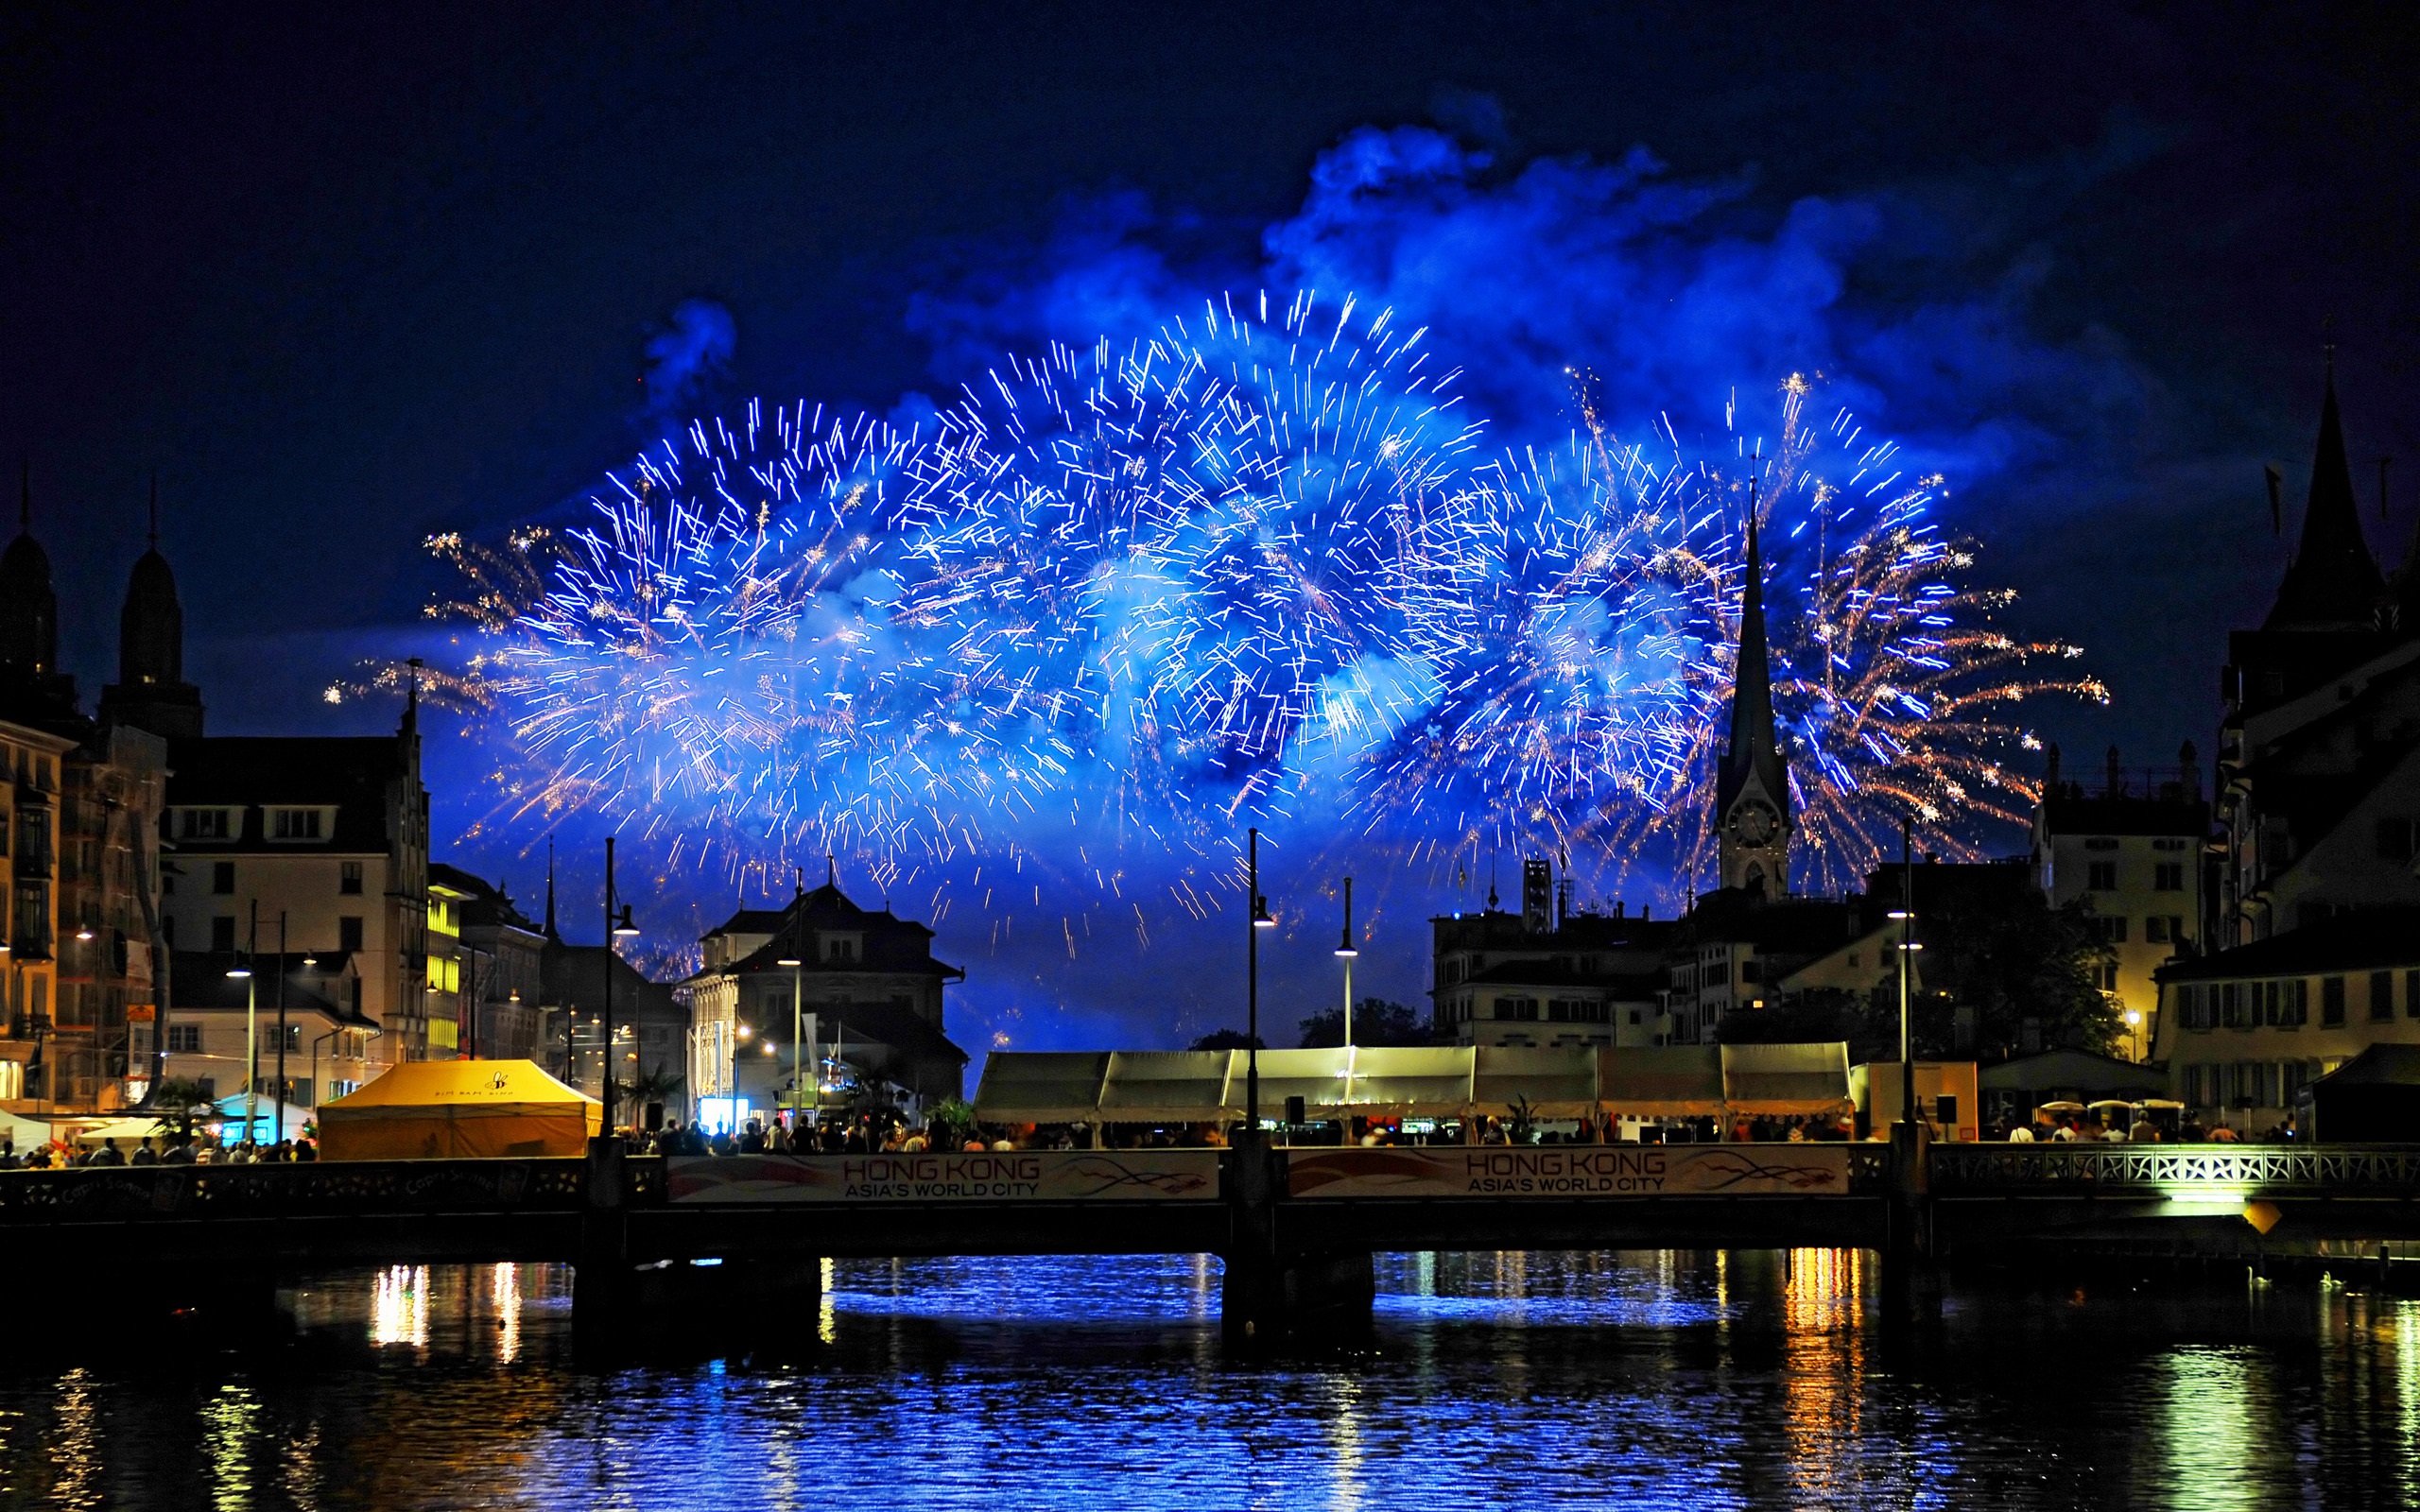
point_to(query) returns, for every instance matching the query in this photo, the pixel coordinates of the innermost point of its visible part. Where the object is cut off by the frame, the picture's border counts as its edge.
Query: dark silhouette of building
(151, 692)
(1752, 813)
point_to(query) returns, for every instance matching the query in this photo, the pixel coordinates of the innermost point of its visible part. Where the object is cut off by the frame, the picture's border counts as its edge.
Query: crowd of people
(202, 1147)
(2047, 1127)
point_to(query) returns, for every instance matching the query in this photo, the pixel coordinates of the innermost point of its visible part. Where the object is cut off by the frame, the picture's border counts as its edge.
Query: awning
(1663, 1081)
(129, 1132)
(1316, 1076)
(1554, 1083)
(1041, 1086)
(1415, 1082)
(1171, 1087)
(1787, 1078)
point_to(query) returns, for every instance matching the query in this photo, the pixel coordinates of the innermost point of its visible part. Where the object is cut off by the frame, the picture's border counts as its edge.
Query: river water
(1696, 1381)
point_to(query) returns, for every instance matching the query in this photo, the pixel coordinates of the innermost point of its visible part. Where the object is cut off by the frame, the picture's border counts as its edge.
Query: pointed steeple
(1752, 744)
(29, 602)
(1752, 785)
(411, 697)
(552, 933)
(2333, 583)
(151, 692)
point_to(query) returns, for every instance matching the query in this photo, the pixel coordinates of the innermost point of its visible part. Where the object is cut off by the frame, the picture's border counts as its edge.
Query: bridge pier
(1270, 1292)
(1910, 1266)
(620, 1307)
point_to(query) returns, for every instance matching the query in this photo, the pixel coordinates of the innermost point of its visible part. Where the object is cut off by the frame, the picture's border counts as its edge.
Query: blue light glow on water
(1655, 1380)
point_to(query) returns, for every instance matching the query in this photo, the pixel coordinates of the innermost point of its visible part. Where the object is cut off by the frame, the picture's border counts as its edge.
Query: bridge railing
(319, 1190)
(2152, 1170)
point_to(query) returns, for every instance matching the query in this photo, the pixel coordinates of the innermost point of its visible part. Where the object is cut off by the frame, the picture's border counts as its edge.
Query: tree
(1227, 1039)
(2020, 976)
(657, 1086)
(172, 1101)
(1375, 1022)
(1994, 981)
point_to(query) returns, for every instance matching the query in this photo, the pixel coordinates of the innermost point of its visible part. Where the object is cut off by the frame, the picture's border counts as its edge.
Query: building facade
(83, 870)
(2246, 1028)
(2132, 847)
(325, 838)
(2319, 753)
(30, 760)
(1547, 977)
(2314, 948)
(499, 956)
(219, 1029)
(856, 990)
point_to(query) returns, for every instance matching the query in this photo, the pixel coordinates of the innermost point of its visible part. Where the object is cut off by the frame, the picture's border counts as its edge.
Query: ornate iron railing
(1869, 1169)
(321, 1188)
(2281, 1170)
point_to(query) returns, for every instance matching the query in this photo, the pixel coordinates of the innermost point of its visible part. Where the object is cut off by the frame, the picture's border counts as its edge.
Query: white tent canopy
(1208, 1086)
(1168, 1087)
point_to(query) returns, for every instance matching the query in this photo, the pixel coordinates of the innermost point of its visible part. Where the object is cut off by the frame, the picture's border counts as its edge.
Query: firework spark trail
(1895, 689)
(1255, 564)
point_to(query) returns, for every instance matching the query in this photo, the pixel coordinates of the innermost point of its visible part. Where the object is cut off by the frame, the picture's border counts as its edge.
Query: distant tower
(29, 604)
(1537, 896)
(31, 686)
(1752, 788)
(2333, 582)
(151, 692)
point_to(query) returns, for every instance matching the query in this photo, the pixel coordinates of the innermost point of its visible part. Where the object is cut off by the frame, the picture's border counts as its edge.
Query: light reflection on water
(1541, 1380)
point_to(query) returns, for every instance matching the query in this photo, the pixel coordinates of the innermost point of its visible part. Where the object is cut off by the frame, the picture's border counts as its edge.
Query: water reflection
(1660, 1380)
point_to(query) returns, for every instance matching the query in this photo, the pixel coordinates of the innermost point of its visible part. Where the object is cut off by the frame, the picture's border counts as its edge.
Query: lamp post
(798, 1029)
(1260, 921)
(614, 930)
(1906, 914)
(242, 971)
(281, 974)
(1346, 950)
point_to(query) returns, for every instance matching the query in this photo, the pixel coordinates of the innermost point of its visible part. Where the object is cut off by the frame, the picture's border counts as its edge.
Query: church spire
(28, 603)
(1751, 787)
(2332, 583)
(552, 933)
(151, 692)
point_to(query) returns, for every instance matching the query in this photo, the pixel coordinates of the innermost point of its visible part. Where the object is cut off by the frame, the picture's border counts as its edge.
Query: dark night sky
(346, 278)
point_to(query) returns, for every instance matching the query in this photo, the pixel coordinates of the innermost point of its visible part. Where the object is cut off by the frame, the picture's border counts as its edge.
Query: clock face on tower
(1755, 823)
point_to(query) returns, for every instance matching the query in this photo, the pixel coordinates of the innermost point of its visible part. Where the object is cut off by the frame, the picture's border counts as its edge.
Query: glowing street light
(1346, 950)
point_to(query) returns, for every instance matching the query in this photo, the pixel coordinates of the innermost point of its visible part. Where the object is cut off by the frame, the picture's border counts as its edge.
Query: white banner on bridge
(1573, 1171)
(1004, 1175)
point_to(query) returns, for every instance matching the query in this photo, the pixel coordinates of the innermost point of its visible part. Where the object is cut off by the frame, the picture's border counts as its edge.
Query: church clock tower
(1752, 788)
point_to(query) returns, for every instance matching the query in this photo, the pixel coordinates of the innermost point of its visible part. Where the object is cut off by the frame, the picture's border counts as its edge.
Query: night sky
(344, 280)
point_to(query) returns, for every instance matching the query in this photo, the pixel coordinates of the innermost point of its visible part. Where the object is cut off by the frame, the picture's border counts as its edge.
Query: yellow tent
(448, 1109)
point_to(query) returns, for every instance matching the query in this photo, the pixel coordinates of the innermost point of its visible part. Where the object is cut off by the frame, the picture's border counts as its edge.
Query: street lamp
(615, 929)
(242, 971)
(1906, 914)
(1260, 921)
(798, 1031)
(1346, 950)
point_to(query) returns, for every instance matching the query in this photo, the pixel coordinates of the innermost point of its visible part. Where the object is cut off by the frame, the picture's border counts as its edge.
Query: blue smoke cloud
(689, 354)
(1915, 306)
